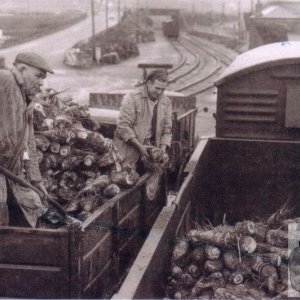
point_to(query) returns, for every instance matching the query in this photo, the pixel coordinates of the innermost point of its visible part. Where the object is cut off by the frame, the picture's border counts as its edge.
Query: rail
(182, 59)
(190, 69)
(192, 45)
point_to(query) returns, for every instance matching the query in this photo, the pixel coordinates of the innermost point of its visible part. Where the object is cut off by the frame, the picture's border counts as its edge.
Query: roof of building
(277, 11)
(292, 7)
(262, 57)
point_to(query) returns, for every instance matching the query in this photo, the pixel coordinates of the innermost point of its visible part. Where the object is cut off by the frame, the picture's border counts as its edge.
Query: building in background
(33, 6)
(274, 21)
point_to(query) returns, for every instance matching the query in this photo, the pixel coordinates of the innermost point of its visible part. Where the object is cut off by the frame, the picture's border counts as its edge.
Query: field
(22, 27)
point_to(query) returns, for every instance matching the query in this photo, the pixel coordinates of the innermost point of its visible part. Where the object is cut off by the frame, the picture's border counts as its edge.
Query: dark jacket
(16, 127)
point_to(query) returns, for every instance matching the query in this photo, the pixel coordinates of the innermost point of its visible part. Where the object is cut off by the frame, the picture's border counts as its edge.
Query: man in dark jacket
(17, 144)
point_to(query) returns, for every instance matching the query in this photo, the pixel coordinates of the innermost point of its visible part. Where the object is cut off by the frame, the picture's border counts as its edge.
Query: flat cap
(34, 60)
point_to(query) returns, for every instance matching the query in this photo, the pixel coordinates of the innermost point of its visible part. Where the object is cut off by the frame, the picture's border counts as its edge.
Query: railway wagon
(247, 171)
(171, 29)
(79, 263)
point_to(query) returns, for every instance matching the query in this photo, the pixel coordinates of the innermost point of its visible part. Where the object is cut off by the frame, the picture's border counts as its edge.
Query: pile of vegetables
(244, 261)
(79, 166)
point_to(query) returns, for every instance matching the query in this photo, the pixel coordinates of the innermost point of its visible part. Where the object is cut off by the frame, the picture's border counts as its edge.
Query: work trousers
(27, 199)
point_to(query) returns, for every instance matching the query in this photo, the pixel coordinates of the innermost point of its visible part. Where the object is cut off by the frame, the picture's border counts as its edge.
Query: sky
(199, 5)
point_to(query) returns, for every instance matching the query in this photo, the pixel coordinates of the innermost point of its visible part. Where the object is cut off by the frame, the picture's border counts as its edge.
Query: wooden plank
(150, 219)
(33, 282)
(96, 260)
(75, 263)
(145, 276)
(128, 202)
(97, 229)
(188, 113)
(102, 286)
(183, 224)
(34, 247)
(129, 224)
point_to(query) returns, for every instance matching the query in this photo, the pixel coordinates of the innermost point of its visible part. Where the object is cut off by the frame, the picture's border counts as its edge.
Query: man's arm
(166, 137)
(32, 166)
(127, 118)
(143, 149)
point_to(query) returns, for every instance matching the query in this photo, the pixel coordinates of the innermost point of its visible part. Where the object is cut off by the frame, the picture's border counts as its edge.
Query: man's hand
(144, 150)
(41, 187)
(163, 148)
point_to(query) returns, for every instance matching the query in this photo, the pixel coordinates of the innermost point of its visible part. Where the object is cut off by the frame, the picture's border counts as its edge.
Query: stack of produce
(157, 159)
(80, 167)
(245, 261)
(122, 38)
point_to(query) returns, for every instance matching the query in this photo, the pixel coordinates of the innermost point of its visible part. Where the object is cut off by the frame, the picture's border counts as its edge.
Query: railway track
(200, 65)
(190, 62)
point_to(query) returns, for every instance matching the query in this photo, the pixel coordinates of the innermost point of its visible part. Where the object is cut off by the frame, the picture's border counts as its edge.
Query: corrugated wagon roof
(261, 57)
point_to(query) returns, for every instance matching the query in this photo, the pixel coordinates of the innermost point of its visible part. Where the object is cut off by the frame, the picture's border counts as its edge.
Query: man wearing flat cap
(17, 144)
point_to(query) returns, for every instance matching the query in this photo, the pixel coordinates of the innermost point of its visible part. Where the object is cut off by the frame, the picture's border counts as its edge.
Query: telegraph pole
(93, 25)
(119, 11)
(137, 21)
(28, 7)
(193, 15)
(238, 24)
(106, 15)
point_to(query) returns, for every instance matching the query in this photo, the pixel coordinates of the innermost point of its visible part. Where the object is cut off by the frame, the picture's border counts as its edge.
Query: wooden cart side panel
(130, 238)
(34, 246)
(135, 214)
(97, 227)
(33, 263)
(144, 280)
(128, 202)
(128, 225)
(95, 264)
(33, 281)
(103, 285)
(96, 257)
(75, 263)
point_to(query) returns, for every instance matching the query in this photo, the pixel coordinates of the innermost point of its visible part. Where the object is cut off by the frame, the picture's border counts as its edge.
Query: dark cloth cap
(34, 60)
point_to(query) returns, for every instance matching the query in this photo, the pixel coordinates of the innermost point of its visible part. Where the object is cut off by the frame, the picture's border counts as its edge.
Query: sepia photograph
(149, 149)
